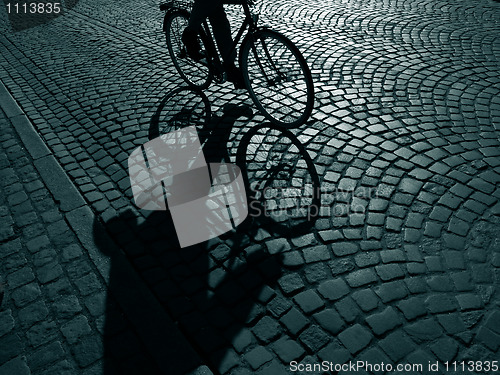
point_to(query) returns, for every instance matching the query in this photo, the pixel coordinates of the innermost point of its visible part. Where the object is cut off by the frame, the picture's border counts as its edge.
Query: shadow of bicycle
(215, 290)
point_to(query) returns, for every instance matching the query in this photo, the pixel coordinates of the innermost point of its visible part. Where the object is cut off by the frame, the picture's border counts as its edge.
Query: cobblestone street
(401, 264)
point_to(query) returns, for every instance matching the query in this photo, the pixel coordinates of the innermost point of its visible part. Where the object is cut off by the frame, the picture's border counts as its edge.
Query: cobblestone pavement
(53, 313)
(403, 263)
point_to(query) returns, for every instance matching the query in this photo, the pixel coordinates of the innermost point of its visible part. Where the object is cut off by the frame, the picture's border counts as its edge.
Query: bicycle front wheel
(278, 78)
(197, 74)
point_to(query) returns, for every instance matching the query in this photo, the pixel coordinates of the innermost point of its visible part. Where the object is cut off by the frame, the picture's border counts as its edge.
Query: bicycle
(275, 73)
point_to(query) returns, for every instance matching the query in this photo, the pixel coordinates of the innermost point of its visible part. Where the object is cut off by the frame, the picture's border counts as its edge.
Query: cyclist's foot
(235, 76)
(190, 40)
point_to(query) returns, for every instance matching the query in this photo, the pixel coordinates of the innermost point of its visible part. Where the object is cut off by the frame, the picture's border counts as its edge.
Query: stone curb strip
(160, 335)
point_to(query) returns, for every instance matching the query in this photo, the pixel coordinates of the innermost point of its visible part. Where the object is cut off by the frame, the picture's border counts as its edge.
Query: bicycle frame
(249, 21)
(214, 62)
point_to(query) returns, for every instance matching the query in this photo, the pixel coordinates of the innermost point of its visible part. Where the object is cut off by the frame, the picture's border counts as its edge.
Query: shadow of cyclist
(210, 294)
(211, 290)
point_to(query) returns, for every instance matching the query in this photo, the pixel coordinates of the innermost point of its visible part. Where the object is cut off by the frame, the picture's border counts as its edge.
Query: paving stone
(308, 301)
(412, 307)
(88, 350)
(294, 321)
(58, 288)
(384, 321)
(33, 313)
(15, 366)
(330, 320)
(389, 272)
(366, 299)
(266, 294)
(416, 268)
(288, 350)
(43, 257)
(440, 304)
(49, 272)
(258, 356)
(76, 329)
(440, 213)
(278, 306)
(374, 356)
(314, 338)
(26, 294)
(11, 247)
(303, 241)
(20, 277)
(344, 248)
(242, 340)
(274, 368)
(397, 345)
(420, 357)
(293, 259)
(42, 333)
(424, 330)
(378, 205)
(391, 291)
(440, 283)
(316, 254)
(445, 349)
(61, 368)
(334, 353)
(291, 283)
(279, 245)
(366, 259)
(330, 235)
(333, 289)
(361, 277)
(67, 306)
(96, 304)
(11, 346)
(454, 259)
(6, 322)
(88, 284)
(452, 323)
(316, 273)
(469, 301)
(493, 322)
(266, 329)
(487, 337)
(393, 256)
(355, 338)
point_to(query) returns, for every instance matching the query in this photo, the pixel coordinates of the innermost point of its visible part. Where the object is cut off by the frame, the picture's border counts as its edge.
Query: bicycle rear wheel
(278, 78)
(197, 74)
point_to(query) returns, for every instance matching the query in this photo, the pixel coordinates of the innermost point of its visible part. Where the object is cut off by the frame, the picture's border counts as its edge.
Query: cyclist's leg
(214, 11)
(222, 33)
(200, 11)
